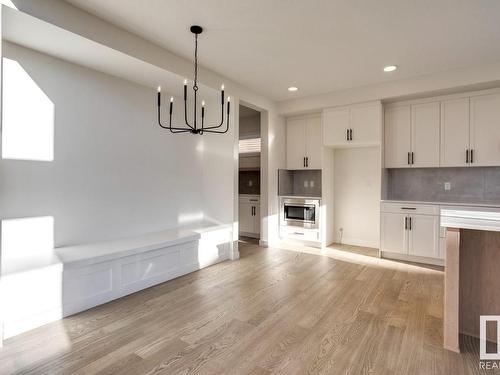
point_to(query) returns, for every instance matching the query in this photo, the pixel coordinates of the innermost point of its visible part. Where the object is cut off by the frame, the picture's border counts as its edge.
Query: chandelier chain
(196, 61)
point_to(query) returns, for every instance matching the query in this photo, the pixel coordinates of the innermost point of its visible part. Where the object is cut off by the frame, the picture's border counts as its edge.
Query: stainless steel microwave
(300, 212)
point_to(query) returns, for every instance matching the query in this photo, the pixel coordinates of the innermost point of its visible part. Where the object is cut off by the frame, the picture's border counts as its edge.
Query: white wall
(68, 17)
(357, 196)
(115, 173)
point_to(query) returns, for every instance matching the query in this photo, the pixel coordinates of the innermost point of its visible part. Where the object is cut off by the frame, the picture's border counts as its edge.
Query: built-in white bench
(47, 287)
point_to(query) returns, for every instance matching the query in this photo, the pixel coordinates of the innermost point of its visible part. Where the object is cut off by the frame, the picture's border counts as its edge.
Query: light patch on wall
(8, 3)
(27, 236)
(189, 218)
(27, 116)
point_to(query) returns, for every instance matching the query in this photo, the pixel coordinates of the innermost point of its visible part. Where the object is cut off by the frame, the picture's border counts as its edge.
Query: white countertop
(442, 203)
(464, 215)
(477, 218)
(299, 196)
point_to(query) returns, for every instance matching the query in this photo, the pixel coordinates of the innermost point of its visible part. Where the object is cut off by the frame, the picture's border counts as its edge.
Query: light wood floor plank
(340, 311)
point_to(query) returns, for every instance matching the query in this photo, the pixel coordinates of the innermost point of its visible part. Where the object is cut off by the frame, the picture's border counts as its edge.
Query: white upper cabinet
(353, 126)
(366, 124)
(397, 137)
(425, 135)
(455, 132)
(411, 136)
(336, 124)
(485, 130)
(313, 143)
(295, 143)
(304, 145)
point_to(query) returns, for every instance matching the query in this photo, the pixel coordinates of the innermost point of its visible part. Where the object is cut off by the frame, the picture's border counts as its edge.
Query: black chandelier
(193, 128)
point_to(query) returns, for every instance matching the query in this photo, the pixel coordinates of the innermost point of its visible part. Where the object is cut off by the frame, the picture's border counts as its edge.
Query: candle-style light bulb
(222, 87)
(185, 89)
(202, 109)
(185, 82)
(159, 88)
(159, 96)
(203, 103)
(171, 99)
(228, 104)
(171, 104)
(222, 95)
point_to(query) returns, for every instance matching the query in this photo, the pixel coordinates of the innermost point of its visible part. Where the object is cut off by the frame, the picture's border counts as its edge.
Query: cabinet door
(425, 134)
(454, 132)
(397, 137)
(366, 124)
(485, 130)
(256, 219)
(424, 236)
(336, 121)
(393, 233)
(295, 143)
(246, 219)
(313, 143)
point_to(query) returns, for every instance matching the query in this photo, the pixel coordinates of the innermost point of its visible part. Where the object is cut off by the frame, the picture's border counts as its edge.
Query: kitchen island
(472, 277)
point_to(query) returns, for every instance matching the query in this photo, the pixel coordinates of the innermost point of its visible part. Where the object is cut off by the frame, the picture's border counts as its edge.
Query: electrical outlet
(250, 183)
(447, 186)
(311, 183)
(306, 183)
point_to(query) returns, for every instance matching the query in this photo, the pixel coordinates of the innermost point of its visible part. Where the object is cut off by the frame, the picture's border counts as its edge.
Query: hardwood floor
(272, 312)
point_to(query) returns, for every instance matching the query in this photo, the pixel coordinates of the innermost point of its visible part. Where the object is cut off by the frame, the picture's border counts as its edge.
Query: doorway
(249, 174)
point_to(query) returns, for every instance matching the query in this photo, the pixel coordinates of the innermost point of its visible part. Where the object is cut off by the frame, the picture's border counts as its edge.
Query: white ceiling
(316, 45)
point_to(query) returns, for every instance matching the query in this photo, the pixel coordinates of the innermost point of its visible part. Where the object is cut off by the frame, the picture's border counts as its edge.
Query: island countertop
(476, 218)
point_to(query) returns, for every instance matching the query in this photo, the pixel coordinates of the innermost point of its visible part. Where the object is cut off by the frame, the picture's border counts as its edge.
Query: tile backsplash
(305, 183)
(249, 182)
(467, 185)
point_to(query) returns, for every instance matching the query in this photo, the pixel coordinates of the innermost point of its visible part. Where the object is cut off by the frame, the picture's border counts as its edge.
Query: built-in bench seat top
(83, 255)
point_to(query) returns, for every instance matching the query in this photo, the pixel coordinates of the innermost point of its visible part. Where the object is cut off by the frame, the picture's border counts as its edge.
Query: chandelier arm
(221, 121)
(185, 111)
(218, 131)
(177, 130)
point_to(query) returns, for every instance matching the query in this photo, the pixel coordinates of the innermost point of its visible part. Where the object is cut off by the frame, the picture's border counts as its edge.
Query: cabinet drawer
(249, 199)
(410, 208)
(299, 233)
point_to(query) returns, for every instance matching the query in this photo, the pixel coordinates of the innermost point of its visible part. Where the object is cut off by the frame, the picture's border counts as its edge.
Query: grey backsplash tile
(468, 185)
(249, 182)
(293, 182)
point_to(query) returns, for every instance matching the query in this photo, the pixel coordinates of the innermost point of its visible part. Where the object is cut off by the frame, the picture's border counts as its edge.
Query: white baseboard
(358, 242)
(251, 235)
(412, 258)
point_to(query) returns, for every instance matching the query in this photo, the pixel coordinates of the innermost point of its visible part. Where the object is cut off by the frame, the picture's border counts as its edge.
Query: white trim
(412, 258)
(358, 242)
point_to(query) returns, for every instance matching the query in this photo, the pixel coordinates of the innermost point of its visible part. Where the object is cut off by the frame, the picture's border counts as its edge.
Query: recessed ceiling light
(292, 89)
(390, 68)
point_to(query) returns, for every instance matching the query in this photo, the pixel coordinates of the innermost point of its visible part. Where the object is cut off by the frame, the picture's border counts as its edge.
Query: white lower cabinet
(249, 215)
(423, 236)
(394, 235)
(410, 230)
